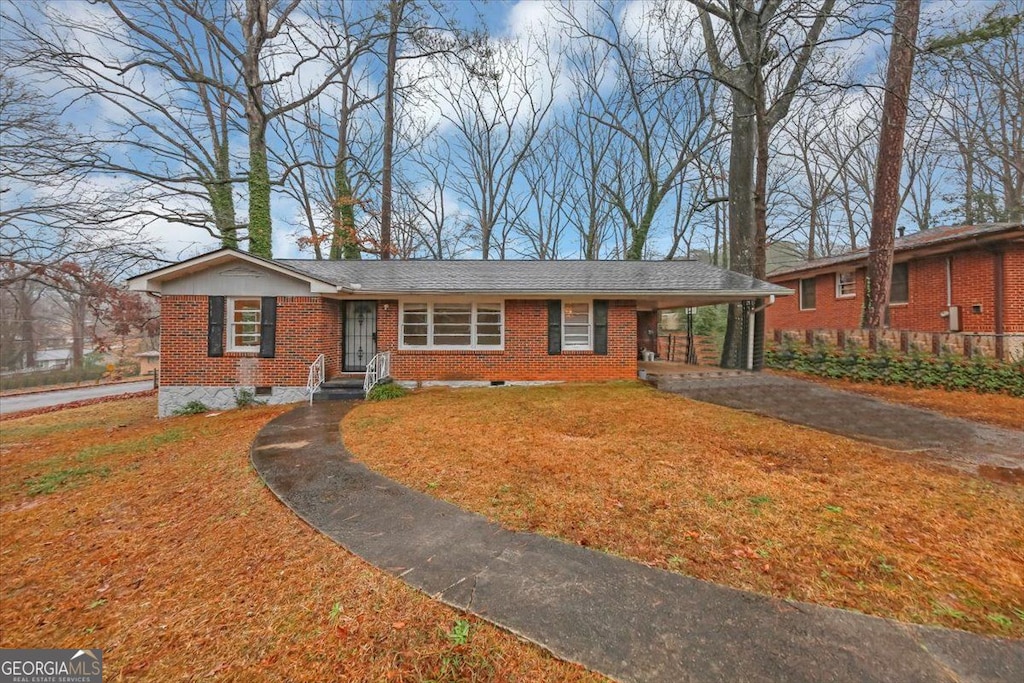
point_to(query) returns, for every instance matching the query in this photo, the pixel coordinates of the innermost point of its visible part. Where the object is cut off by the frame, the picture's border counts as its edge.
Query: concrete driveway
(954, 442)
(46, 399)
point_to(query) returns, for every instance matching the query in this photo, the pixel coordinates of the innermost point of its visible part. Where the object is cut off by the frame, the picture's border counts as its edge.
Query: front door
(360, 335)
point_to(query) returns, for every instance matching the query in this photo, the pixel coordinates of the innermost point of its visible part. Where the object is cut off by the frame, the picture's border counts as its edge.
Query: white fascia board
(738, 295)
(150, 282)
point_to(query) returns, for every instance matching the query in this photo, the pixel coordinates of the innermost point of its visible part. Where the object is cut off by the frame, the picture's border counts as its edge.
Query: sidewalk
(621, 618)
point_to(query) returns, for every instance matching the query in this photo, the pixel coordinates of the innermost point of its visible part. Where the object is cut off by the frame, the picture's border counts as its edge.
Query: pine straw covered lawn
(714, 493)
(997, 409)
(155, 541)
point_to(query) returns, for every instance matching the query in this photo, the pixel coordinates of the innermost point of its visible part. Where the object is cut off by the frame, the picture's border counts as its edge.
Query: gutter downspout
(999, 306)
(750, 329)
(949, 282)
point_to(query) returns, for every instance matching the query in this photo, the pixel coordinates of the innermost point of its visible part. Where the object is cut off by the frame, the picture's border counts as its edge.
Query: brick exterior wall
(306, 327)
(525, 356)
(973, 284)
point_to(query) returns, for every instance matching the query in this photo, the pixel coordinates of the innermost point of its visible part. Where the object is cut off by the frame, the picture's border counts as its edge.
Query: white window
(244, 317)
(455, 325)
(846, 284)
(576, 325)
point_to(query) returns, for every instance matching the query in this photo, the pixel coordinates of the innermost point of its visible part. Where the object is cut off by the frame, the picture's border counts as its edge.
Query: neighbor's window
(846, 284)
(476, 325)
(807, 294)
(576, 325)
(899, 290)
(244, 324)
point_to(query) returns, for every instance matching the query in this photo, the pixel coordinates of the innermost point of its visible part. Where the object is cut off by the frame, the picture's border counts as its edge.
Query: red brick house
(953, 279)
(230, 320)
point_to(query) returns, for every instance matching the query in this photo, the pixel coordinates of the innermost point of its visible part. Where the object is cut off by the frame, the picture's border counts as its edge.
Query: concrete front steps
(341, 389)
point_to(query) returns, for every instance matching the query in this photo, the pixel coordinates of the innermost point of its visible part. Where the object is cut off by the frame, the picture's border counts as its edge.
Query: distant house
(955, 279)
(149, 362)
(230, 319)
(53, 359)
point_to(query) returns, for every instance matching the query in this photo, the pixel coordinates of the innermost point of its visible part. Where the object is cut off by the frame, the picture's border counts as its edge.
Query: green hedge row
(955, 373)
(44, 378)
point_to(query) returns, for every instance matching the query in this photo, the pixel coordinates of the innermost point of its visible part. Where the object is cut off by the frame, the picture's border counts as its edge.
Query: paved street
(14, 404)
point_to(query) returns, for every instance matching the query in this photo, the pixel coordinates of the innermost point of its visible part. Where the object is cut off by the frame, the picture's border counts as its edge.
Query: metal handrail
(316, 376)
(377, 370)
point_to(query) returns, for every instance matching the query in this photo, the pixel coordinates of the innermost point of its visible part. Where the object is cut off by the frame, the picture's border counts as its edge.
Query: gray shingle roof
(536, 277)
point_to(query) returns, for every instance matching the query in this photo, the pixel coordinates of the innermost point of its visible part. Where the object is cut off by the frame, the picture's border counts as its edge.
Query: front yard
(714, 493)
(155, 541)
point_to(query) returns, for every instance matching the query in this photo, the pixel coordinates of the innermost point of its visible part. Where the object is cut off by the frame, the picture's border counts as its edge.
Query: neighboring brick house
(953, 279)
(230, 320)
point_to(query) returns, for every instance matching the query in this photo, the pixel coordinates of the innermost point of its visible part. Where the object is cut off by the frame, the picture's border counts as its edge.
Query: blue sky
(504, 18)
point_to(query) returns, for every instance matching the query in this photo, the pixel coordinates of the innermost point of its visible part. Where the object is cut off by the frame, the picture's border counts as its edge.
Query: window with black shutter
(601, 328)
(268, 326)
(215, 327)
(554, 327)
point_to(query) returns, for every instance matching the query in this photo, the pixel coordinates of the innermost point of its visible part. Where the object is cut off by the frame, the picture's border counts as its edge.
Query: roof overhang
(647, 299)
(152, 281)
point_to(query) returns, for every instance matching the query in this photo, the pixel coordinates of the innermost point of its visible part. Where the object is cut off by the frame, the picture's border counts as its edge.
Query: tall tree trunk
(344, 244)
(254, 28)
(222, 202)
(885, 207)
(760, 220)
(24, 304)
(396, 8)
(967, 155)
(260, 239)
(77, 309)
(742, 257)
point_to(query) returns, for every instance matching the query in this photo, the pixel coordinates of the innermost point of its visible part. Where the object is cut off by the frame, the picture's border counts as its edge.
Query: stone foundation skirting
(171, 398)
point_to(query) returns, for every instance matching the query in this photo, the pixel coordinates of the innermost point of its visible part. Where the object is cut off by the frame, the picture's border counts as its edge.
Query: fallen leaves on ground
(714, 493)
(997, 409)
(155, 541)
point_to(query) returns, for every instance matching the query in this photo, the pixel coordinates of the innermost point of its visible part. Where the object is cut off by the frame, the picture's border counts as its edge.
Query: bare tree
(168, 128)
(764, 66)
(495, 107)
(546, 177)
(49, 210)
(977, 76)
(664, 121)
(329, 148)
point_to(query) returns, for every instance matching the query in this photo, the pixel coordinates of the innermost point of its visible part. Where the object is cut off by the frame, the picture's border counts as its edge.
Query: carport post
(750, 335)
(754, 309)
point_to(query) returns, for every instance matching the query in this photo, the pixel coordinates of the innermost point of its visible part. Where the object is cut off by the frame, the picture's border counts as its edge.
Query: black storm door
(360, 335)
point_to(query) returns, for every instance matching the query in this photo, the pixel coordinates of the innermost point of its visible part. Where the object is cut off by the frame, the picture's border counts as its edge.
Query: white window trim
(430, 346)
(800, 293)
(839, 290)
(229, 327)
(590, 326)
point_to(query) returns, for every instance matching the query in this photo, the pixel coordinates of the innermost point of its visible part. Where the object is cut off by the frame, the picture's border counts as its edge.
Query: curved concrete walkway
(621, 618)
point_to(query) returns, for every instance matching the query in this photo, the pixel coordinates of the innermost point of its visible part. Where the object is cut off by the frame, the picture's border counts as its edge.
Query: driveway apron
(961, 444)
(620, 618)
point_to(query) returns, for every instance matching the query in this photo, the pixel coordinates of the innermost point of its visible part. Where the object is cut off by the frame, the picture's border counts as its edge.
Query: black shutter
(215, 327)
(554, 327)
(268, 326)
(601, 328)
